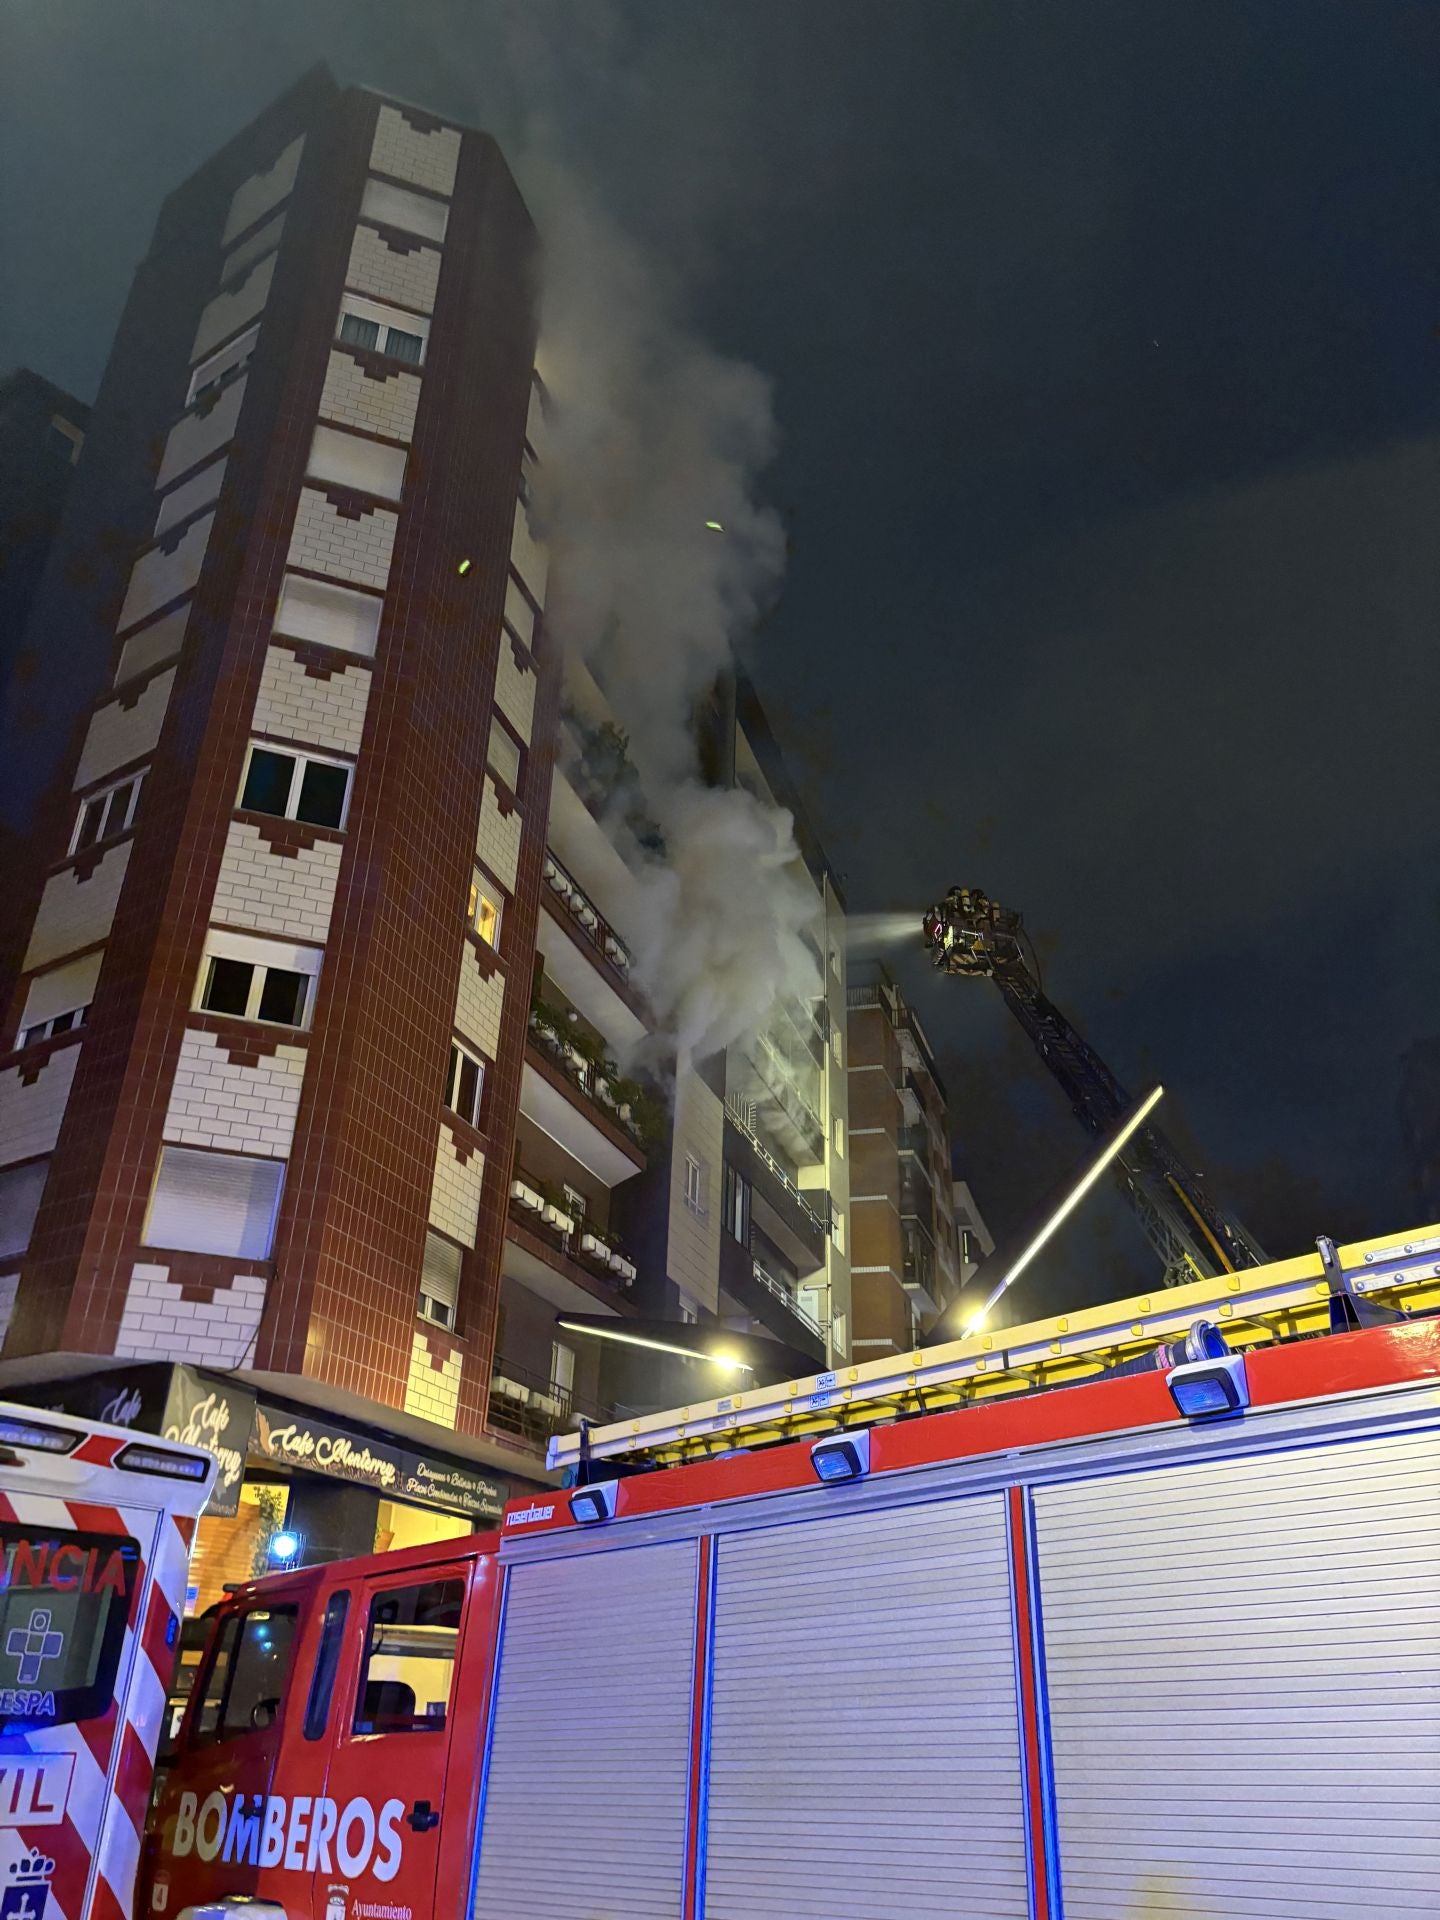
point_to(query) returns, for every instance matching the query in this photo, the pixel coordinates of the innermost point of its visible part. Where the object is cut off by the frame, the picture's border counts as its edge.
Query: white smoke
(653, 435)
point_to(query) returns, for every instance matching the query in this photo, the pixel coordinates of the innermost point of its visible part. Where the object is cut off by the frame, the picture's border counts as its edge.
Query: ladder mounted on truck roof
(1312, 1295)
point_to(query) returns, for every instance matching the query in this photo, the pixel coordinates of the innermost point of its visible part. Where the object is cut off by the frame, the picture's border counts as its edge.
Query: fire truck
(1130, 1612)
(96, 1525)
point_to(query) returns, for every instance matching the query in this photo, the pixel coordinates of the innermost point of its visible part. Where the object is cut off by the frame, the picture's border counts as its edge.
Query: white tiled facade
(432, 1389)
(327, 541)
(215, 1103)
(479, 1003)
(455, 1192)
(381, 403)
(323, 711)
(377, 268)
(427, 159)
(148, 646)
(228, 312)
(120, 733)
(159, 1322)
(255, 196)
(275, 893)
(76, 912)
(30, 1116)
(515, 690)
(497, 842)
(195, 436)
(158, 576)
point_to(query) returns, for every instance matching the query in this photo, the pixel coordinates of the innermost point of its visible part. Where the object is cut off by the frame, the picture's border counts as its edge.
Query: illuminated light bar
(658, 1346)
(37, 1436)
(139, 1458)
(1072, 1200)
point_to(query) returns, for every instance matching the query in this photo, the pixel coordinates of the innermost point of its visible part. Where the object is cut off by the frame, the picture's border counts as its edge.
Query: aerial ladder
(970, 934)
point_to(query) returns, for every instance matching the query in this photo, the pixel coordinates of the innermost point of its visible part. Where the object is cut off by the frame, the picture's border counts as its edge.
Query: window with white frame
(689, 1312)
(694, 1184)
(439, 1281)
(365, 323)
(505, 754)
(221, 365)
(254, 979)
(562, 1370)
(105, 814)
(296, 786)
(837, 1229)
(837, 1050)
(575, 1202)
(484, 910)
(464, 1084)
(57, 1023)
(838, 1133)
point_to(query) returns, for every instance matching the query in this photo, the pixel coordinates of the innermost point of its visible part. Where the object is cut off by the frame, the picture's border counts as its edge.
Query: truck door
(393, 1723)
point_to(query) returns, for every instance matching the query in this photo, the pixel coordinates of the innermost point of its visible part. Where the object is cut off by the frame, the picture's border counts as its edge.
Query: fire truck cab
(96, 1525)
(1162, 1644)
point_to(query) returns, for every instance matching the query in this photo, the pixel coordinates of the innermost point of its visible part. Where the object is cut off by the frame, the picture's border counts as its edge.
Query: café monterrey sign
(294, 1439)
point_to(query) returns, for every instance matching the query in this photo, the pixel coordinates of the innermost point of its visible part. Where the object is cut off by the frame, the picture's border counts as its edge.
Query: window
(105, 814)
(574, 1202)
(837, 1229)
(838, 1133)
(837, 1051)
(57, 1023)
(295, 786)
(214, 1203)
(212, 373)
(840, 1337)
(256, 979)
(377, 329)
(483, 912)
(694, 1184)
(439, 1281)
(735, 1203)
(245, 1684)
(322, 1681)
(505, 755)
(61, 1638)
(689, 1312)
(562, 1370)
(409, 1658)
(397, 207)
(463, 1084)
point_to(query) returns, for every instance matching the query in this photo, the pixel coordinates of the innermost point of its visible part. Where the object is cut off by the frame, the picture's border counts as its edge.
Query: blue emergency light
(1205, 1389)
(284, 1546)
(595, 1502)
(841, 1456)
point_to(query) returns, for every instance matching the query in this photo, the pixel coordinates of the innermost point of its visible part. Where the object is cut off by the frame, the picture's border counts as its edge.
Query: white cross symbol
(32, 1646)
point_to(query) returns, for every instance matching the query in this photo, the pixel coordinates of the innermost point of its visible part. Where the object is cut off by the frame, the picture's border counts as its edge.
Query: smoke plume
(661, 555)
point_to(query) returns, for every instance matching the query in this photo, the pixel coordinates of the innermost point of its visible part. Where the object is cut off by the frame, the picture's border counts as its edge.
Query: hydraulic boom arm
(968, 933)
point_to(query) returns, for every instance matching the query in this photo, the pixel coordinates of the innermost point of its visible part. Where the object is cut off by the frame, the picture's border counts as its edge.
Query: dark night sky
(1105, 348)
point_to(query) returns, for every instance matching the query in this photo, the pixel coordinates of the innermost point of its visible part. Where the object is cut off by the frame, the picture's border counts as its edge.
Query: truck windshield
(64, 1600)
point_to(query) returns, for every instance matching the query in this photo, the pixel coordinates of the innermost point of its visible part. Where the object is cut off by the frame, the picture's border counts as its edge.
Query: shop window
(409, 1658)
(322, 1681)
(463, 1084)
(483, 912)
(296, 786)
(378, 329)
(254, 979)
(57, 1023)
(108, 813)
(245, 1684)
(735, 1204)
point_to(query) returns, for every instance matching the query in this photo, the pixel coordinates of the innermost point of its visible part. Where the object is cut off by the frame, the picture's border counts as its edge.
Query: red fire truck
(96, 1525)
(980, 1638)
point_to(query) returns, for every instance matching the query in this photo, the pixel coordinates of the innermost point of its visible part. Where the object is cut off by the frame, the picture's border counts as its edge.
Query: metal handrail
(782, 1292)
(594, 935)
(742, 1125)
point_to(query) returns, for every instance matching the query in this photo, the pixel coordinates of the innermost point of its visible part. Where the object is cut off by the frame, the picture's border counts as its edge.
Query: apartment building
(318, 1110)
(906, 1262)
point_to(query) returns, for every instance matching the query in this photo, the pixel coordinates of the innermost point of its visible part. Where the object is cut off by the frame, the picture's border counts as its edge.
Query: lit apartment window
(376, 328)
(105, 814)
(57, 1023)
(694, 1184)
(296, 786)
(463, 1085)
(254, 979)
(483, 912)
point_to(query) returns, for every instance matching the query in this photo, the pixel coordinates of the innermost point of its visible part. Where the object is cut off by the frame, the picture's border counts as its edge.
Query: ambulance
(1128, 1615)
(96, 1525)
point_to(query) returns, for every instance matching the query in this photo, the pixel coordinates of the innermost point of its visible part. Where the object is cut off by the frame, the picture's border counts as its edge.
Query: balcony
(601, 1119)
(749, 1288)
(797, 1222)
(586, 958)
(775, 1080)
(584, 1254)
(531, 1408)
(787, 1296)
(919, 1271)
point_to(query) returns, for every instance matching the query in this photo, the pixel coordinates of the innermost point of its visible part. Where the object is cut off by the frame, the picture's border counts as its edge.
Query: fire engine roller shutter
(585, 1801)
(1243, 1661)
(864, 1746)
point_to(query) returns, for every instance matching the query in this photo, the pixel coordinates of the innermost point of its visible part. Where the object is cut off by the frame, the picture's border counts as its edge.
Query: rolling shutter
(440, 1275)
(588, 1783)
(214, 1203)
(864, 1747)
(1243, 1661)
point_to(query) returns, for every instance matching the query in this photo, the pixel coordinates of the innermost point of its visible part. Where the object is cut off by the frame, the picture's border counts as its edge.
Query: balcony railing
(532, 1408)
(583, 1073)
(534, 1208)
(585, 916)
(739, 1118)
(782, 1292)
